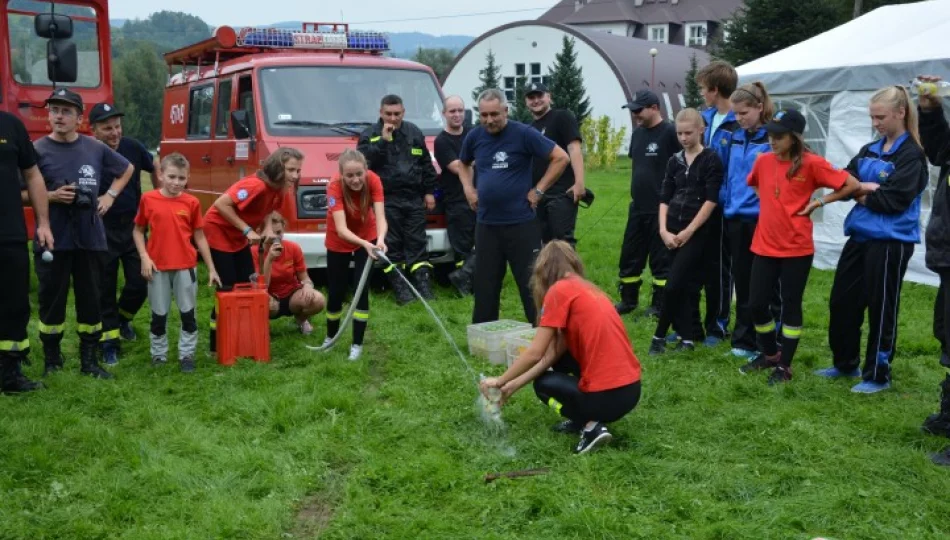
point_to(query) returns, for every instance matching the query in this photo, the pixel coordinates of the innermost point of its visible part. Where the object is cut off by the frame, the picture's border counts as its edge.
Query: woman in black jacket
(689, 195)
(935, 136)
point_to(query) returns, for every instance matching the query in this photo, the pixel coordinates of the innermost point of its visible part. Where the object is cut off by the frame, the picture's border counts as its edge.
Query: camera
(85, 198)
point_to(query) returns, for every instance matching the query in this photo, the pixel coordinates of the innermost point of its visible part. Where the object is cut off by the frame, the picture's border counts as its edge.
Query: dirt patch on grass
(313, 517)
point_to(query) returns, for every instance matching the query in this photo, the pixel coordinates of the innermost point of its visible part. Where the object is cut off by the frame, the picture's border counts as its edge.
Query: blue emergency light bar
(282, 38)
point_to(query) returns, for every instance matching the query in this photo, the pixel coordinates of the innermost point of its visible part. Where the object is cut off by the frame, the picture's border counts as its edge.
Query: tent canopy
(889, 45)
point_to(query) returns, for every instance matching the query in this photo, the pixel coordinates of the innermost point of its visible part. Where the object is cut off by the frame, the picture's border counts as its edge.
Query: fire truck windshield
(28, 51)
(307, 101)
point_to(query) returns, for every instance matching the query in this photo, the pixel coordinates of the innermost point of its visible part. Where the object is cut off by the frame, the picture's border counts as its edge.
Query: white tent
(831, 78)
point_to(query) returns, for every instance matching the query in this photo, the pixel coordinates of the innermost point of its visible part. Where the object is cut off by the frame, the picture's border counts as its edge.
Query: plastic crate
(243, 324)
(488, 339)
(517, 343)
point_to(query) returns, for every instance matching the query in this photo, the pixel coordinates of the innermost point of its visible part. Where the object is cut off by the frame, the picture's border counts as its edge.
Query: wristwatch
(113, 193)
(539, 192)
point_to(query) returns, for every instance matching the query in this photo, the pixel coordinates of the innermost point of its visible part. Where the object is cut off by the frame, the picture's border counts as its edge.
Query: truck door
(246, 149)
(223, 170)
(198, 148)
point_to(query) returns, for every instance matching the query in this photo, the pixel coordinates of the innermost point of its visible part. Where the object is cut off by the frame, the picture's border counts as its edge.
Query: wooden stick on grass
(490, 477)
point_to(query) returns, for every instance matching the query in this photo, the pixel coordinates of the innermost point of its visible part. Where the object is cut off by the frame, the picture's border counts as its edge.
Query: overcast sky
(388, 15)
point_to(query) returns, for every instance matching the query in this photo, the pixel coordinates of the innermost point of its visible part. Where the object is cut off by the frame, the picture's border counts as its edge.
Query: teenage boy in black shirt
(557, 210)
(651, 146)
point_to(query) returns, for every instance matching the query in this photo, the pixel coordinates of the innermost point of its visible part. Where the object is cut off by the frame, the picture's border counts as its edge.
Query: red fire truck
(45, 44)
(240, 95)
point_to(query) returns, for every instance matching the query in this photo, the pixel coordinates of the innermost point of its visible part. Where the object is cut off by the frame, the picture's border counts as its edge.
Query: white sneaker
(305, 327)
(326, 341)
(355, 352)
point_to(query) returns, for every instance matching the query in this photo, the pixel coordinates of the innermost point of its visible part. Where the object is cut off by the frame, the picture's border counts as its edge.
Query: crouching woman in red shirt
(285, 272)
(785, 181)
(595, 376)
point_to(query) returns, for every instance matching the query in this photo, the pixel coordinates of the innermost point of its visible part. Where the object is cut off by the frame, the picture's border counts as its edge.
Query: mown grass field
(391, 447)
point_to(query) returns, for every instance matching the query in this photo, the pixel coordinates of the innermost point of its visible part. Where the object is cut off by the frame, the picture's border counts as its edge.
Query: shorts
(283, 304)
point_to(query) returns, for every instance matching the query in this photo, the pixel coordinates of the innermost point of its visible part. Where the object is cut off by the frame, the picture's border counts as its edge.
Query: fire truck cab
(240, 95)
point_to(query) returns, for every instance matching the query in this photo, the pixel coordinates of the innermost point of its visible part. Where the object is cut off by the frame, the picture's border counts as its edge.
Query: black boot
(12, 380)
(423, 282)
(400, 288)
(942, 457)
(89, 361)
(656, 303)
(463, 278)
(53, 358)
(629, 298)
(939, 423)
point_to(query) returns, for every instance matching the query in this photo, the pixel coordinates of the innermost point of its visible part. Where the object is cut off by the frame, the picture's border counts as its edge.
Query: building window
(509, 88)
(546, 80)
(535, 69)
(537, 80)
(519, 70)
(658, 33)
(696, 34)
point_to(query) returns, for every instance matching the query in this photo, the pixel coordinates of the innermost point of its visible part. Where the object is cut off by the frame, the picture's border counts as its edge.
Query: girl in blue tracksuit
(883, 228)
(740, 205)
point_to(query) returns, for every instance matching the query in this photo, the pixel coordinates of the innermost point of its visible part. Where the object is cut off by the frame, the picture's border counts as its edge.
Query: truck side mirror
(61, 61)
(239, 124)
(53, 26)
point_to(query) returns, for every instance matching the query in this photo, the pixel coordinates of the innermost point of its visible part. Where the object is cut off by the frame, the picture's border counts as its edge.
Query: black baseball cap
(67, 96)
(103, 111)
(642, 100)
(535, 88)
(786, 121)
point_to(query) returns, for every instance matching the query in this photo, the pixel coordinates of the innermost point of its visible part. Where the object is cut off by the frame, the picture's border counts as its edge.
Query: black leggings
(792, 275)
(558, 389)
(942, 316)
(681, 299)
(232, 267)
(338, 278)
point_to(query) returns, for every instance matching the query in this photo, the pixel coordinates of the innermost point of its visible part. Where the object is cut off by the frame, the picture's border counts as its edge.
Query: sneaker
(110, 353)
(942, 457)
(305, 327)
(780, 375)
(326, 341)
(126, 331)
(685, 345)
(187, 364)
(712, 341)
(870, 387)
(95, 371)
(567, 426)
(937, 424)
(657, 346)
(673, 338)
(744, 353)
(835, 373)
(159, 360)
(759, 363)
(355, 352)
(593, 438)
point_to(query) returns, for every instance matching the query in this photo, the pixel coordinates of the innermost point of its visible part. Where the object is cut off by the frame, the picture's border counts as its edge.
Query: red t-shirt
(283, 271)
(254, 200)
(781, 233)
(360, 225)
(594, 333)
(172, 221)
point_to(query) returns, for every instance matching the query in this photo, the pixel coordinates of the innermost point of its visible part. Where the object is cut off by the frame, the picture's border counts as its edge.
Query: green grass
(391, 446)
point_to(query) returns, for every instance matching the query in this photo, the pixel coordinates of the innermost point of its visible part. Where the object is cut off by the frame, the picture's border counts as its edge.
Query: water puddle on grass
(489, 410)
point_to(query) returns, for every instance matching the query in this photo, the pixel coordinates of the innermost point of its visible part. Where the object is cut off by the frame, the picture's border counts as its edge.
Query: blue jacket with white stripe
(892, 212)
(721, 140)
(740, 201)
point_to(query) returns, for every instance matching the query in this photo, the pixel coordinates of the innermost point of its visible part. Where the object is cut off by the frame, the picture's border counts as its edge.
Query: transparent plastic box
(488, 339)
(517, 343)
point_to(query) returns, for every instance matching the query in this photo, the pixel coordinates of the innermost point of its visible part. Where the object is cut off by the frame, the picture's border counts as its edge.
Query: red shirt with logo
(594, 334)
(254, 200)
(284, 269)
(362, 225)
(172, 222)
(780, 232)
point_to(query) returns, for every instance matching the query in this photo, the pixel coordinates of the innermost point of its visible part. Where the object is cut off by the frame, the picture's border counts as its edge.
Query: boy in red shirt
(596, 375)
(784, 181)
(289, 285)
(232, 222)
(169, 261)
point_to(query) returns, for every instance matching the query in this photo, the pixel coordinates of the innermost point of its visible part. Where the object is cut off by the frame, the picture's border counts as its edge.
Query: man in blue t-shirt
(106, 122)
(502, 153)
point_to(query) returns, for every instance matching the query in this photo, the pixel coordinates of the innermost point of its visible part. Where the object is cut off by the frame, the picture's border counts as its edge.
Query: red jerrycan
(243, 323)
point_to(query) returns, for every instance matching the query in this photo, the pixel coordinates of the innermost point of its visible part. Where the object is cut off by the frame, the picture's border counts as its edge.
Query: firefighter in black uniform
(73, 165)
(935, 135)
(396, 151)
(17, 157)
(106, 121)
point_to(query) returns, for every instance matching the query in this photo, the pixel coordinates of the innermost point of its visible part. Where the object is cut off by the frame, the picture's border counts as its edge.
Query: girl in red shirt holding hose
(785, 181)
(595, 377)
(357, 226)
